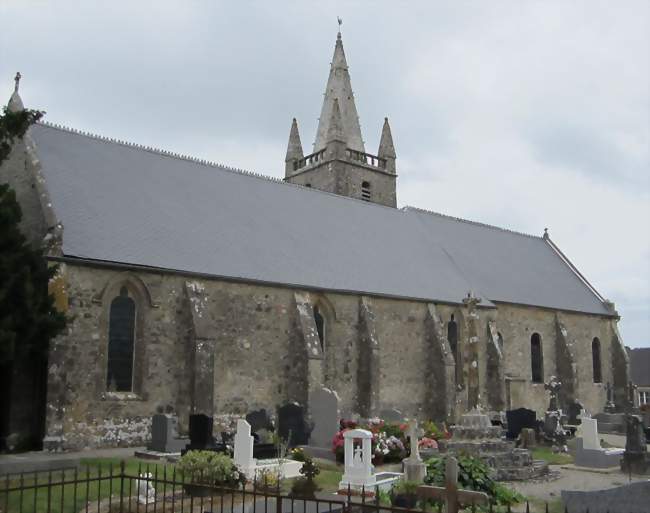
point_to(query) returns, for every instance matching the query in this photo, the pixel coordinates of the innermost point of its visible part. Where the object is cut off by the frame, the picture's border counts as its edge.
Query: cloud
(521, 114)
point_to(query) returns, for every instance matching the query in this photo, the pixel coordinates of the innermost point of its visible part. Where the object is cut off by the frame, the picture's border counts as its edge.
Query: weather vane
(340, 20)
(17, 80)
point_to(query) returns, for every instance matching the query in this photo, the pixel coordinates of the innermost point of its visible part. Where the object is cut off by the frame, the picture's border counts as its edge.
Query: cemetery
(393, 462)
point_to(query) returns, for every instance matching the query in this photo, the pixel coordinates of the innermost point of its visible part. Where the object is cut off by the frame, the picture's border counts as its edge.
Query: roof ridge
(159, 151)
(204, 162)
(469, 221)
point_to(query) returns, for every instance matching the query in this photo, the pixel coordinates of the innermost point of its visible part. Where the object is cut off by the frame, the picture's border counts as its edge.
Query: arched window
(365, 191)
(536, 358)
(121, 343)
(452, 337)
(595, 360)
(320, 327)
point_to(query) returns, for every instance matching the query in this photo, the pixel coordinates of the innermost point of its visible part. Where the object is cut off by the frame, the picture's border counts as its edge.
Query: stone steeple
(294, 149)
(386, 147)
(339, 163)
(15, 102)
(339, 88)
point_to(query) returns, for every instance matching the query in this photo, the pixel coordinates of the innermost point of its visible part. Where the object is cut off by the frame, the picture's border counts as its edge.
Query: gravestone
(622, 499)
(391, 415)
(243, 453)
(358, 460)
(414, 468)
(635, 458)
(260, 420)
(200, 432)
(519, 419)
(291, 424)
(589, 453)
(164, 434)
(324, 408)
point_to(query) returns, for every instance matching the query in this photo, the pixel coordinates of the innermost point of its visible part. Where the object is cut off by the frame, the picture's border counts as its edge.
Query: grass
(70, 497)
(550, 457)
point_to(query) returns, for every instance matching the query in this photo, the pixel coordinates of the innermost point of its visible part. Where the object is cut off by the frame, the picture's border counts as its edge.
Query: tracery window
(320, 327)
(595, 360)
(536, 358)
(121, 343)
(452, 337)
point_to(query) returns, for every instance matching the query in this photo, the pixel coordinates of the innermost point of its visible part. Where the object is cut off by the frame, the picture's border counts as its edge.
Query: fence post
(121, 486)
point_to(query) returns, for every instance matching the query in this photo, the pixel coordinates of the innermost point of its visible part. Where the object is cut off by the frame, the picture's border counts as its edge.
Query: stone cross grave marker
(452, 496)
(324, 409)
(414, 457)
(415, 470)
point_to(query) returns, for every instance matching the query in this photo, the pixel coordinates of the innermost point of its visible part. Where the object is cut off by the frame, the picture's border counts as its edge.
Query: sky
(521, 114)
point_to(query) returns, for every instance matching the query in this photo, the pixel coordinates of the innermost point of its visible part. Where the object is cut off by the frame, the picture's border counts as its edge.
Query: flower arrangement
(298, 454)
(427, 443)
(268, 479)
(390, 442)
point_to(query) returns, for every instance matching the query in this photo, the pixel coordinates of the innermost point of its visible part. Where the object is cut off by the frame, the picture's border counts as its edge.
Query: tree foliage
(28, 317)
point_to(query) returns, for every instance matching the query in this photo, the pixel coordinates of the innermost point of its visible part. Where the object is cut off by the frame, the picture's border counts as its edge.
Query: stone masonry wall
(254, 327)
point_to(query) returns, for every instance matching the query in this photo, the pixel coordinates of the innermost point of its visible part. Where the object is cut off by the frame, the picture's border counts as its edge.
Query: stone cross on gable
(452, 496)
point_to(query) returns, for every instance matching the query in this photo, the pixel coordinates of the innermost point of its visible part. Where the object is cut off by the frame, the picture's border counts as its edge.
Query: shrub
(208, 467)
(473, 474)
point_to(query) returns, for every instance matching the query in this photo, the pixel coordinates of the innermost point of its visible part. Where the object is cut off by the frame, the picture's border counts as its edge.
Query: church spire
(294, 148)
(15, 102)
(386, 147)
(339, 88)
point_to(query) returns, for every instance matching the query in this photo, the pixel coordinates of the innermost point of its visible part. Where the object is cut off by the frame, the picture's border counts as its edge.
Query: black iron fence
(160, 488)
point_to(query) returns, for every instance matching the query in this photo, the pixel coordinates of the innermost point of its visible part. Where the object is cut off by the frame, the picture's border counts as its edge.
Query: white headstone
(589, 431)
(324, 411)
(358, 459)
(244, 446)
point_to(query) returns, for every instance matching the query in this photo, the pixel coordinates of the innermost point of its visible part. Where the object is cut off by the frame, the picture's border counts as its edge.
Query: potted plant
(306, 486)
(404, 494)
(203, 471)
(268, 480)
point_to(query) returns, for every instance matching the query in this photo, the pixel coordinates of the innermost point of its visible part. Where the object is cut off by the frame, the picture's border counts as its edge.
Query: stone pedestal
(415, 471)
(476, 436)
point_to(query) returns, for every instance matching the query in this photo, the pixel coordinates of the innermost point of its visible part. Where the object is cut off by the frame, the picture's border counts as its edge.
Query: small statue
(146, 492)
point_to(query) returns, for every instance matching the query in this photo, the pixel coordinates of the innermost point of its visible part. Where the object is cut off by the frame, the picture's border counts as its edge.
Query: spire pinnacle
(386, 147)
(294, 148)
(15, 102)
(339, 88)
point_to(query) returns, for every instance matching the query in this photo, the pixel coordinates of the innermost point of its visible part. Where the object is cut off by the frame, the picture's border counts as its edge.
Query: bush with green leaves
(208, 467)
(473, 474)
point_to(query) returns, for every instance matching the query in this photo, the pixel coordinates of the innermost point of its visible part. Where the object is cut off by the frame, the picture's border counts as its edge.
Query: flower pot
(405, 501)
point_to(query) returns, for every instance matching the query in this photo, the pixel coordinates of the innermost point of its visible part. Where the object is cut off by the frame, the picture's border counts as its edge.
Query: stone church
(194, 287)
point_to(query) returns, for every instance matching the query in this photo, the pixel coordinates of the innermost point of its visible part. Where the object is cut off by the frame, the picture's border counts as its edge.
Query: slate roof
(640, 366)
(123, 203)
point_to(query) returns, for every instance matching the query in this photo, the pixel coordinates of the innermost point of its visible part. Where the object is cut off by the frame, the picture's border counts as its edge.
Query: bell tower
(339, 162)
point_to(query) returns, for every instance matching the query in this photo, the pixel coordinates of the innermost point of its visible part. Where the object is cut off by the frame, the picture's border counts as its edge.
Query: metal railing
(116, 488)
